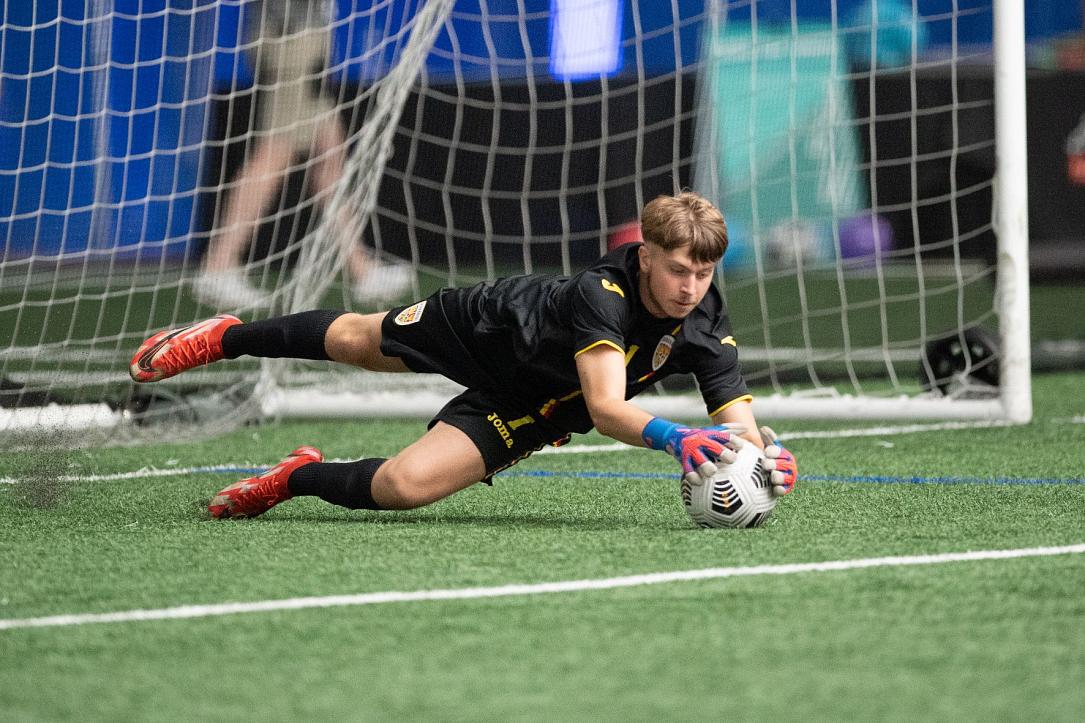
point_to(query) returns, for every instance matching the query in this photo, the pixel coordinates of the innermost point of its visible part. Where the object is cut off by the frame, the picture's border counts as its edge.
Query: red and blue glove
(783, 472)
(696, 449)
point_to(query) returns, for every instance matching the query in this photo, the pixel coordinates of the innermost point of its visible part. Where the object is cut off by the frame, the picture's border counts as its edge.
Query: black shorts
(433, 336)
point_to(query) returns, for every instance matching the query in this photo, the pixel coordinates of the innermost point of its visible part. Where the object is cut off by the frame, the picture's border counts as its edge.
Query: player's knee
(404, 487)
(353, 339)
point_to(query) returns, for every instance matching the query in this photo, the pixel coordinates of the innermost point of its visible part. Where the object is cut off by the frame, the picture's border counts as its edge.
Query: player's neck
(647, 299)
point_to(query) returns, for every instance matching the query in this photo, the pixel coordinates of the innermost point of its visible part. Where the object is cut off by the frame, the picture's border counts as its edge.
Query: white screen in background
(585, 38)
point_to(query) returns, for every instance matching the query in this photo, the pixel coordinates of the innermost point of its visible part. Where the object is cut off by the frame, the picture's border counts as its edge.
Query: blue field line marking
(588, 475)
(872, 479)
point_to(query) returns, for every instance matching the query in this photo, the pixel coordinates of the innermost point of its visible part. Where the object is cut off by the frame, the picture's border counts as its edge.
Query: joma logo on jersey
(611, 286)
(411, 314)
(501, 428)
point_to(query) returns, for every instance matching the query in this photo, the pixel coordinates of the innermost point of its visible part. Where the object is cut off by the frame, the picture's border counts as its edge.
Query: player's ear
(642, 257)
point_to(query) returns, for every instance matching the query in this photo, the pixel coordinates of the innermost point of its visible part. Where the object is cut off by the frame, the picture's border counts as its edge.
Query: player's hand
(697, 449)
(783, 472)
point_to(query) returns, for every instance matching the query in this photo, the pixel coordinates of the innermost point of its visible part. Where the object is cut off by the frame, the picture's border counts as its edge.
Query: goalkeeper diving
(541, 357)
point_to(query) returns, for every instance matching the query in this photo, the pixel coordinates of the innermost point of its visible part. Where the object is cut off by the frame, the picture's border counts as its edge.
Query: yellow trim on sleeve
(729, 340)
(608, 342)
(736, 400)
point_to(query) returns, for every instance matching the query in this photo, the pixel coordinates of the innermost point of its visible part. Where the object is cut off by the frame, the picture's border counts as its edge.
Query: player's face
(671, 283)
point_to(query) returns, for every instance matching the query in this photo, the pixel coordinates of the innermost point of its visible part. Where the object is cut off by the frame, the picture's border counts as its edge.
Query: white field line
(898, 429)
(148, 472)
(566, 586)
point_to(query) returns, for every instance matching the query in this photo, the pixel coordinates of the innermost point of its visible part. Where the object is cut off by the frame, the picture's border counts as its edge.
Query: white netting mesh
(163, 161)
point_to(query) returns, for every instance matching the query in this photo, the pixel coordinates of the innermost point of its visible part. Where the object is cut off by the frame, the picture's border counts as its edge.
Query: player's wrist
(659, 433)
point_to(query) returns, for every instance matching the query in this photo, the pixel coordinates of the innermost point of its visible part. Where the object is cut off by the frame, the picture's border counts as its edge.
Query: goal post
(870, 158)
(1011, 211)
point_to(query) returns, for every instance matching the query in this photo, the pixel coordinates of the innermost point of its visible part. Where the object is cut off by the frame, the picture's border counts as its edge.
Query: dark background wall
(1056, 106)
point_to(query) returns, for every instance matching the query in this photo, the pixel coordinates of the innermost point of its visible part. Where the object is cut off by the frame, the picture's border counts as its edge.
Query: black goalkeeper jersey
(525, 333)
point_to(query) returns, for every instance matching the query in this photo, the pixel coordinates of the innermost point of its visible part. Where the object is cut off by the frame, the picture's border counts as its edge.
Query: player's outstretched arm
(602, 377)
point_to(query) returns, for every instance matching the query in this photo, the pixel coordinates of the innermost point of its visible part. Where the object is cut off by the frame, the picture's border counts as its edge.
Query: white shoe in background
(229, 289)
(383, 281)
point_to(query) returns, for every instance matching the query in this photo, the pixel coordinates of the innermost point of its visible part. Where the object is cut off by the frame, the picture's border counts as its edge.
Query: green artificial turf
(970, 640)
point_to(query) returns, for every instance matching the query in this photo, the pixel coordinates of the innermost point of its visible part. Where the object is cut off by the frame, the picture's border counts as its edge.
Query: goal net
(165, 160)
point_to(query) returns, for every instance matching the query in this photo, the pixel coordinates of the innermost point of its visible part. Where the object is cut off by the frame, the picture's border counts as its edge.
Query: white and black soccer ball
(738, 495)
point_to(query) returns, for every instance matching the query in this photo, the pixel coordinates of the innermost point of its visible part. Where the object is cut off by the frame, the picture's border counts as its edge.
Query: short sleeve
(716, 367)
(600, 311)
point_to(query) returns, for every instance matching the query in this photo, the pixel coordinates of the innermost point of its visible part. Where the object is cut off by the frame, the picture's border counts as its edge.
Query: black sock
(297, 336)
(349, 484)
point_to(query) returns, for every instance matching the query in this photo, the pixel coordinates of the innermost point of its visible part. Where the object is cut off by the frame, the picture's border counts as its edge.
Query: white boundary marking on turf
(898, 429)
(145, 472)
(475, 593)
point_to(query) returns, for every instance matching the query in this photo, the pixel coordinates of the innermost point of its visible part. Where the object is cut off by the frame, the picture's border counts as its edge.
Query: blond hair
(687, 219)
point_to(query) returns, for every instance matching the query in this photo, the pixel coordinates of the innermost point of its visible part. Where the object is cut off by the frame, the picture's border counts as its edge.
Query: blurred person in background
(289, 45)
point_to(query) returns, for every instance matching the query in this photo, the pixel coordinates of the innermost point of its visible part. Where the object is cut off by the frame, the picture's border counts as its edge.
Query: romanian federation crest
(411, 314)
(663, 350)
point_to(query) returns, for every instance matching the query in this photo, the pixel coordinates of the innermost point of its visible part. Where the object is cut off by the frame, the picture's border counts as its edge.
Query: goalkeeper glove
(780, 463)
(696, 449)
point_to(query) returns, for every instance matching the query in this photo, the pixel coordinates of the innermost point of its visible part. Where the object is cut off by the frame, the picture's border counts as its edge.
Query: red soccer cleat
(175, 350)
(256, 495)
